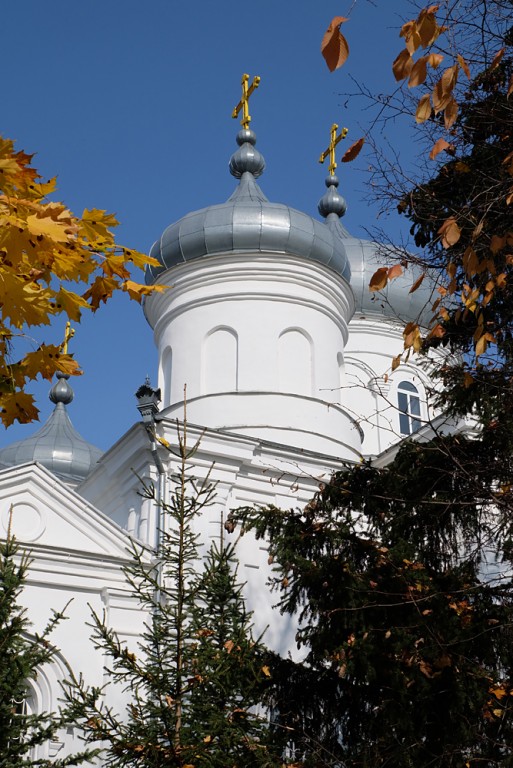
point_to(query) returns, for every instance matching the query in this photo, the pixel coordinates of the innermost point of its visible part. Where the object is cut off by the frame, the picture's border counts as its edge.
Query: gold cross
(244, 102)
(334, 140)
(68, 334)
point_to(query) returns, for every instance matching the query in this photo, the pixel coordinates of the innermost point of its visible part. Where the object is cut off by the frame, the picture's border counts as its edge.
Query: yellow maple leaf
(46, 226)
(71, 303)
(17, 406)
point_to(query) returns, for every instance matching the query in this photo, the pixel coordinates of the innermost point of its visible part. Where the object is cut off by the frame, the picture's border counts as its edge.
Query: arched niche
(166, 369)
(220, 361)
(295, 362)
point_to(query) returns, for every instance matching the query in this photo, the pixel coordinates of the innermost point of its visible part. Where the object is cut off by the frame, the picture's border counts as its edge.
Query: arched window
(220, 361)
(408, 402)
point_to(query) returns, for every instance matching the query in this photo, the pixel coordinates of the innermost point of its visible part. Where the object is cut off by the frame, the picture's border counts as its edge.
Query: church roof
(248, 222)
(57, 445)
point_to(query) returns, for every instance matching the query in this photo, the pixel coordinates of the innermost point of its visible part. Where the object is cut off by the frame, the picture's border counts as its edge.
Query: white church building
(286, 358)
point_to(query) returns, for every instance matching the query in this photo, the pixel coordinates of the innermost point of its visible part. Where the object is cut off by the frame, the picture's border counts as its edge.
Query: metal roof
(57, 445)
(248, 222)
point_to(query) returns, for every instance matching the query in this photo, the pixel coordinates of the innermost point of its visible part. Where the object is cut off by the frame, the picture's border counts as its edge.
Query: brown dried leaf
(450, 233)
(353, 151)
(411, 36)
(379, 279)
(481, 346)
(435, 59)
(396, 362)
(418, 72)
(442, 92)
(402, 65)
(463, 64)
(510, 87)
(423, 112)
(417, 283)
(427, 28)
(450, 114)
(437, 332)
(334, 46)
(497, 243)
(438, 147)
(497, 58)
(395, 271)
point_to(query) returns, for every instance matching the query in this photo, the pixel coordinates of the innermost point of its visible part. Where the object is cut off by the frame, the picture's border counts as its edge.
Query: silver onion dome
(248, 222)
(57, 445)
(365, 257)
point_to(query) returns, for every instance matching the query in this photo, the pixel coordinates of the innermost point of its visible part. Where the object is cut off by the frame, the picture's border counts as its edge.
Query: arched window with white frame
(408, 403)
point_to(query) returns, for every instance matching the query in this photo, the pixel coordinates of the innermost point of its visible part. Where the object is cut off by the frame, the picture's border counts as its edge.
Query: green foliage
(21, 657)
(401, 575)
(197, 677)
(409, 649)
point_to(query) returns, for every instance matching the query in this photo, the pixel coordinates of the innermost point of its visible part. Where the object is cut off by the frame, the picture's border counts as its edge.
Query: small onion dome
(57, 445)
(365, 257)
(247, 222)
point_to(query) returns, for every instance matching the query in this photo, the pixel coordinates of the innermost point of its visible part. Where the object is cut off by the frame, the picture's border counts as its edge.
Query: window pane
(414, 408)
(408, 386)
(404, 424)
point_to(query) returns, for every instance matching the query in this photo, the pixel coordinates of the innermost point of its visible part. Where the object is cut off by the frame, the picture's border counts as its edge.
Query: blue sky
(129, 104)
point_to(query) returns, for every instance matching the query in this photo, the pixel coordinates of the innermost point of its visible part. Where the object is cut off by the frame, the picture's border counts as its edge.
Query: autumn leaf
(439, 146)
(497, 58)
(395, 271)
(46, 361)
(450, 113)
(411, 36)
(100, 291)
(418, 72)
(427, 27)
(497, 244)
(353, 151)
(437, 332)
(266, 671)
(423, 111)
(137, 291)
(402, 65)
(379, 279)
(334, 46)
(449, 232)
(442, 92)
(96, 224)
(396, 362)
(412, 337)
(71, 303)
(46, 226)
(17, 406)
(417, 283)
(463, 64)
(435, 59)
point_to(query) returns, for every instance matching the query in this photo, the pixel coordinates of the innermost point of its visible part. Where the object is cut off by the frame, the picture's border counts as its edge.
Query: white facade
(281, 384)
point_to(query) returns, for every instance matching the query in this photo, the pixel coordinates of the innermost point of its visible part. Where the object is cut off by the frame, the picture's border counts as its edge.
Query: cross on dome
(334, 140)
(69, 332)
(244, 102)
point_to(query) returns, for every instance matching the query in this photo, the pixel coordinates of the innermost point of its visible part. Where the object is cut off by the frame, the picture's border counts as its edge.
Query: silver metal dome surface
(395, 301)
(365, 257)
(57, 445)
(248, 222)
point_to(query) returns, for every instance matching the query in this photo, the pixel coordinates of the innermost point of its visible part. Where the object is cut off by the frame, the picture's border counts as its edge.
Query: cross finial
(334, 140)
(68, 335)
(244, 102)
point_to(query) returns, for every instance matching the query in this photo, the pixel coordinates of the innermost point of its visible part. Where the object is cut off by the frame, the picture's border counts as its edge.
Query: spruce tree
(402, 574)
(23, 734)
(195, 680)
